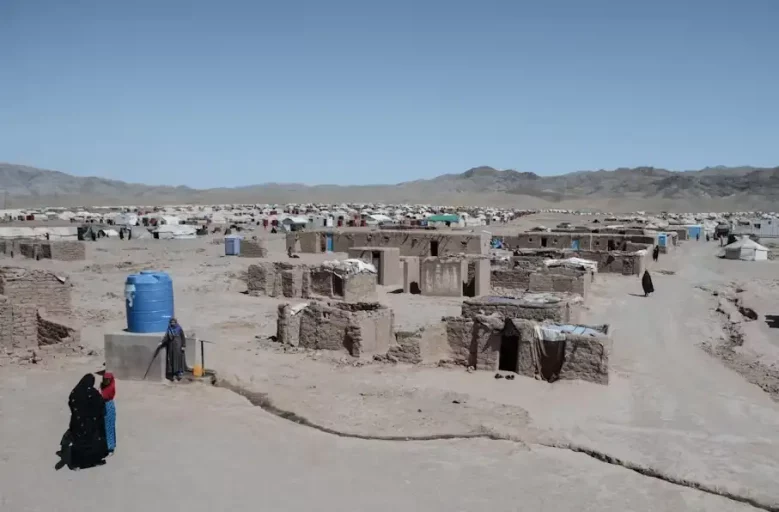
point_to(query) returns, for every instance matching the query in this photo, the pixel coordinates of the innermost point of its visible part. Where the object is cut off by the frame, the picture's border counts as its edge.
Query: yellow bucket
(197, 371)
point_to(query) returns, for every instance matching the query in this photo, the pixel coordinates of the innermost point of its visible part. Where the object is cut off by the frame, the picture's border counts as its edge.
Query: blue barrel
(149, 300)
(232, 245)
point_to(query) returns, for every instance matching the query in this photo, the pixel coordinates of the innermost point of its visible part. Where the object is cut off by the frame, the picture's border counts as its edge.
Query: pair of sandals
(507, 377)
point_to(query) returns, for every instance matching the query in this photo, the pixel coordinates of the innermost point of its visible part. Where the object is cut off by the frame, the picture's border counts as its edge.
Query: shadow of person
(64, 452)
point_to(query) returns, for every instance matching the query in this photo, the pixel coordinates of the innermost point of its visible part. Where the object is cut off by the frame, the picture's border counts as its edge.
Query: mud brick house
(33, 305)
(511, 281)
(361, 329)
(490, 336)
(410, 243)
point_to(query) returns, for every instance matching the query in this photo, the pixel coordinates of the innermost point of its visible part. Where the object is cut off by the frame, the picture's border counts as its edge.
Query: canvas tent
(746, 249)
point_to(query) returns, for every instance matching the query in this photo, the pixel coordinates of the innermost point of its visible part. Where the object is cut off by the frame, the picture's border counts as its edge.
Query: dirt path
(200, 449)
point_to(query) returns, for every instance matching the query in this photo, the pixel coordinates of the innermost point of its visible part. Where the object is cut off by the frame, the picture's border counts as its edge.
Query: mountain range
(646, 188)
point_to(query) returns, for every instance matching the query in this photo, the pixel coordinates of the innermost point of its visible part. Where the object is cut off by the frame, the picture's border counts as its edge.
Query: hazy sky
(224, 93)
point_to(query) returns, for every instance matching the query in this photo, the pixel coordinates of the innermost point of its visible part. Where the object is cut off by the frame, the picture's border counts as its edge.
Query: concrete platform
(128, 354)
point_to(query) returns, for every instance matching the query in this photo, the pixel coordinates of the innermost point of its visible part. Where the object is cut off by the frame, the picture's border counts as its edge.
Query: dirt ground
(671, 409)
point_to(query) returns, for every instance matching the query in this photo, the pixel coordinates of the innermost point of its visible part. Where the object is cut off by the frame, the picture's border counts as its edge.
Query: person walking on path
(108, 391)
(656, 253)
(174, 342)
(646, 283)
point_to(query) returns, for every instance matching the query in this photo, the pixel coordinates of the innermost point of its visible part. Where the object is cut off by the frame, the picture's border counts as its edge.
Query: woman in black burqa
(86, 434)
(646, 284)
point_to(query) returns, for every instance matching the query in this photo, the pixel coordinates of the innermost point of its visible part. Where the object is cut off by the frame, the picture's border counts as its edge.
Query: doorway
(434, 248)
(508, 359)
(376, 260)
(544, 241)
(611, 245)
(338, 285)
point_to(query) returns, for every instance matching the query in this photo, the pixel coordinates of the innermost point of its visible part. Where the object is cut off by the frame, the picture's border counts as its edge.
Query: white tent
(747, 250)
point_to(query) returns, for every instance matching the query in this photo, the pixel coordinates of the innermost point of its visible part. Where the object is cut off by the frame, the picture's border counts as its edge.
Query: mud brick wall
(39, 288)
(554, 282)
(51, 332)
(443, 277)
(517, 308)
(409, 243)
(253, 249)
(260, 280)
(277, 279)
(64, 250)
(360, 287)
(6, 323)
(323, 327)
(407, 348)
(321, 282)
(625, 263)
(510, 281)
(360, 329)
(586, 358)
(459, 334)
(29, 250)
(487, 337)
(24, 326)
(288, 326)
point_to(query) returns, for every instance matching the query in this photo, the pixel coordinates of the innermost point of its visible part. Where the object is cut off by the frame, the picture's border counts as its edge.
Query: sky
(230, 93)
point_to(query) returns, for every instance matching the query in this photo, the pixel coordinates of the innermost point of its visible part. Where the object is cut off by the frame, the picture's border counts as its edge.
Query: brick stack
(253, 248)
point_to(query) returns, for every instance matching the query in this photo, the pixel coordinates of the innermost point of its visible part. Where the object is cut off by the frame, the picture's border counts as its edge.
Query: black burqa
(87, 425)
(174, 342)
(656, 253)
(646, 283)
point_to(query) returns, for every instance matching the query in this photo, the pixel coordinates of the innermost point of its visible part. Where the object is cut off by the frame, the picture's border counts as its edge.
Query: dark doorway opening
(611, 245)
(338, 285)
(544, 242)
(508, 360)
(552, 360)
(434, 248)
(376, 260)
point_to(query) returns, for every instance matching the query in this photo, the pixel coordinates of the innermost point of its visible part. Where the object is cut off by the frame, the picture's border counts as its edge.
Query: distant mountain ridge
(747, 187)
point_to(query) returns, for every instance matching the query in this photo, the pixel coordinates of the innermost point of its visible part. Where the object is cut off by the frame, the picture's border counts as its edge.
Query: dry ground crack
(264, 402)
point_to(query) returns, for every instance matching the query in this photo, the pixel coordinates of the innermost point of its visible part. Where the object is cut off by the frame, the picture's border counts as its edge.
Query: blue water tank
(232, 245)
(149, 300)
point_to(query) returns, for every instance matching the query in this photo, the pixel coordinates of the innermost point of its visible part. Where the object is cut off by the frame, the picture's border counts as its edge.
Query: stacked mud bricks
(29, 299)
(253, 248)
(61, 250)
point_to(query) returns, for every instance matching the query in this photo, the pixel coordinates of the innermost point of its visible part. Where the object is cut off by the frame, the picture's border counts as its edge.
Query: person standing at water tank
(174, 343)
(656, 253)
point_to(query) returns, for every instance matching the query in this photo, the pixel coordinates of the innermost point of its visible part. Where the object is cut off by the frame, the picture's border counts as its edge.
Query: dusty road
(197, 448)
